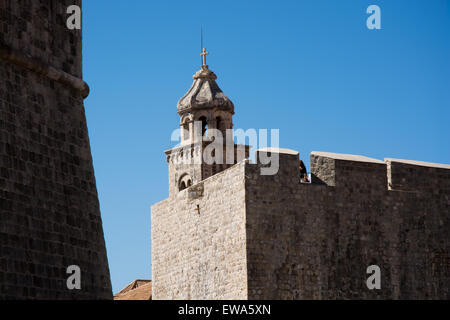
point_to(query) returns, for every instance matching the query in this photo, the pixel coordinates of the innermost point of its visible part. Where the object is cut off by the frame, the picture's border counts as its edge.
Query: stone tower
(206, 114)
(49, 209)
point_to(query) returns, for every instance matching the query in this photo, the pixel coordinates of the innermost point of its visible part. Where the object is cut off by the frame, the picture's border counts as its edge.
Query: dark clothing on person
(303, 172)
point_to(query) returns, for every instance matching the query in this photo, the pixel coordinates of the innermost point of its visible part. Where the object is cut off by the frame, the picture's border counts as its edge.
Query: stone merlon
(335, 169)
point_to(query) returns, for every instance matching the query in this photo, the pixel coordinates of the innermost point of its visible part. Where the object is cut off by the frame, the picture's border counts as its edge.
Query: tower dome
(204, 93)
(204, 104)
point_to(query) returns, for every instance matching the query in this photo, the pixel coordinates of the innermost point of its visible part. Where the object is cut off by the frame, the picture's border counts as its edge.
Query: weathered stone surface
(237, 234)
(204, 94)
(316, 241)
(410, 175)
(271, 237)
(49, 210)
(198, 243)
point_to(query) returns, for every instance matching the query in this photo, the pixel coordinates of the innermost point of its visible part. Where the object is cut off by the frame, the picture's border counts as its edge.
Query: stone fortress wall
(49, 209)
(315, 241)
(272, 237)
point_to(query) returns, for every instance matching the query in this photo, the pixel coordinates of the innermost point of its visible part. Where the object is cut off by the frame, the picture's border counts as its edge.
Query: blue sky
(309, 68)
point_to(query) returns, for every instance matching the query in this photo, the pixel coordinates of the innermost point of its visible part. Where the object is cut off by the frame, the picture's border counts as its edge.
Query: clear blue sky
(309, 68)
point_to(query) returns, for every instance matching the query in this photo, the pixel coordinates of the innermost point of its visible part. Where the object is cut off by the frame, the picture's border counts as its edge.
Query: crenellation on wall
(402, 175)
(306, 241)
(342, 170)
(285, 162)
(322, 170)
(407, 175)
(310, 241)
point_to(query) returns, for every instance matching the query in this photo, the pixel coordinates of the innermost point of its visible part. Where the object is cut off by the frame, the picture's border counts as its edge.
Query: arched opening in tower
(204, 125)
(218, 124)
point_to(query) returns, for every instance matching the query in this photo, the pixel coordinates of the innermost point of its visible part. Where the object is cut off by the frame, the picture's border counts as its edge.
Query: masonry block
(49, 208)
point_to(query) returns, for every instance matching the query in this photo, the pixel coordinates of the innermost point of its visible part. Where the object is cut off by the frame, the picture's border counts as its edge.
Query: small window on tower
(182, 186)
(204, 125)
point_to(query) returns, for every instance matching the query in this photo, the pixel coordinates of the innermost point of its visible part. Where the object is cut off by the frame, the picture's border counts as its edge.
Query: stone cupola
(206, 103)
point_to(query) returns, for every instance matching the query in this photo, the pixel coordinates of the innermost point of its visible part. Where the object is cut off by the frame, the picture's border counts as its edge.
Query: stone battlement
(344, 170)
(242, 235)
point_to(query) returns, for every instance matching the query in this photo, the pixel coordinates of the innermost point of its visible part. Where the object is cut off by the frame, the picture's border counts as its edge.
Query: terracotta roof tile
(137, 290)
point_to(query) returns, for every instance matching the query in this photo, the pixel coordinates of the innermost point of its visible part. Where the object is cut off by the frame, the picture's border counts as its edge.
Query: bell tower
(206, 115)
